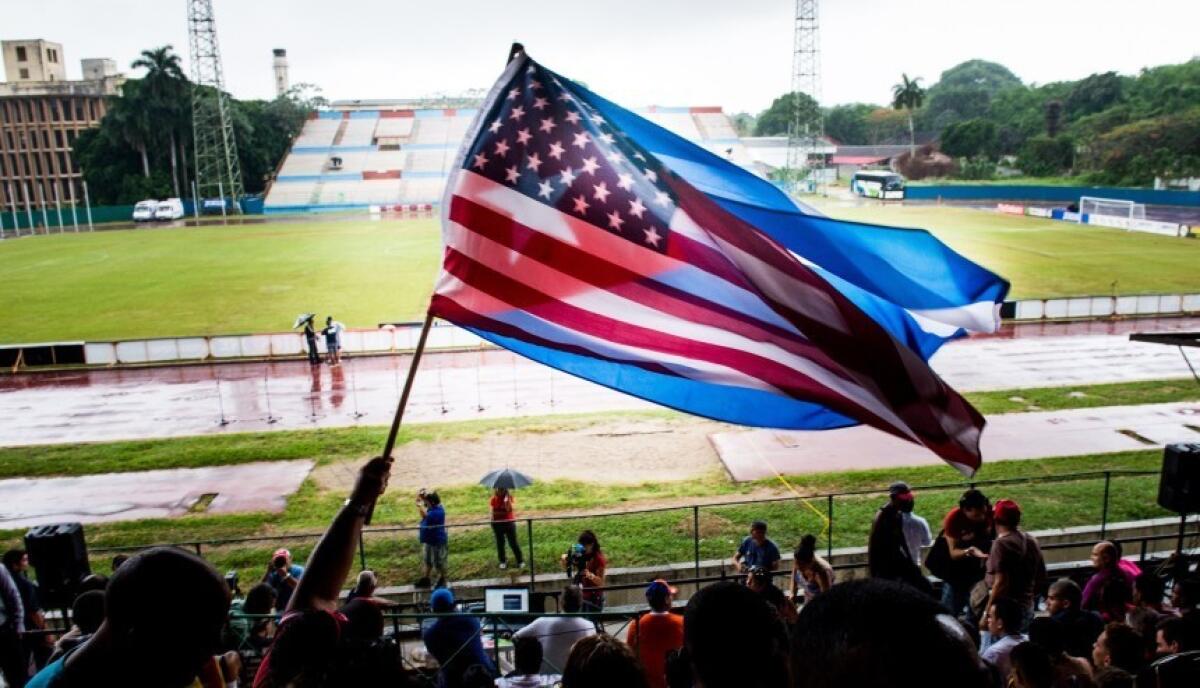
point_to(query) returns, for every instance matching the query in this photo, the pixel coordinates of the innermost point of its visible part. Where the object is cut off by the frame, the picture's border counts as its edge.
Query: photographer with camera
(283, 576)
(433, 537)
(585, 565)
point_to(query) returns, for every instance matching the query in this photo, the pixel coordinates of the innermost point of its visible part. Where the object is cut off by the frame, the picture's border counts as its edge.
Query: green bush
(1042, 156)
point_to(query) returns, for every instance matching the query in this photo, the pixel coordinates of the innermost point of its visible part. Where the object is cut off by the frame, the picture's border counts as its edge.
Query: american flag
(568, 242)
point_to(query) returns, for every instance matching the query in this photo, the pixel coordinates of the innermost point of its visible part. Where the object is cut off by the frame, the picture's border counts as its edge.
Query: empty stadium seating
(404, 156)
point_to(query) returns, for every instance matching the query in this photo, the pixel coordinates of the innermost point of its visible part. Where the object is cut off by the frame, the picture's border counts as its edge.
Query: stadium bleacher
(398, 156)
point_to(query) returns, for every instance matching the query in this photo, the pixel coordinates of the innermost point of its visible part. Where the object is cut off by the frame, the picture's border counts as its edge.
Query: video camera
(576, 563)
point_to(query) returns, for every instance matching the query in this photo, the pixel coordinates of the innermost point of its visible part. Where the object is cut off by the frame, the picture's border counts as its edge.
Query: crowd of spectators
(166, 618)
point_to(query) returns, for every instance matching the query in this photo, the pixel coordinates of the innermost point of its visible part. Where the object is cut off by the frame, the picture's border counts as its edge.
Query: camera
(279, 562)
(576, 563)
(231, 580)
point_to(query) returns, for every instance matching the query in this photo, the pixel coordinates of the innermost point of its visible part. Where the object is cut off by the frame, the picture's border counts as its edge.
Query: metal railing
(692, 512)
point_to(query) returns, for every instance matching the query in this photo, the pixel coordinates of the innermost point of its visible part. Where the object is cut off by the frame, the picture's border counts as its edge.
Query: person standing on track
(333, 340)
(310, 338)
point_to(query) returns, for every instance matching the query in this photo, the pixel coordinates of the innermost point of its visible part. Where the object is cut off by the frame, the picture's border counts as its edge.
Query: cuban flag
(581, 236)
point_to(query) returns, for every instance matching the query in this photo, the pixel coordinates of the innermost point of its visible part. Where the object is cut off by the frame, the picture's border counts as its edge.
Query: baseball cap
(442, 600)
(660, 588)
(900, 490)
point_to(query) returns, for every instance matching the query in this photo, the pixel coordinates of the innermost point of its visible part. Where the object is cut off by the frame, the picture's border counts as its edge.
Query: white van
(144, 210)
(170, 209)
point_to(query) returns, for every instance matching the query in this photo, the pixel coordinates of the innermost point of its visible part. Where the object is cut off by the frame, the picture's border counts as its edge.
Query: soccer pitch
(125, 284)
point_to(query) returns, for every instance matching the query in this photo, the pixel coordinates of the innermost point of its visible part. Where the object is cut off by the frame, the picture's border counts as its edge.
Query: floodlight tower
(218, 172)
(806, 128)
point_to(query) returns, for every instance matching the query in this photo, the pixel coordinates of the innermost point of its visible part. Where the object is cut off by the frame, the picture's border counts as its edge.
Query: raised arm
(329, 565)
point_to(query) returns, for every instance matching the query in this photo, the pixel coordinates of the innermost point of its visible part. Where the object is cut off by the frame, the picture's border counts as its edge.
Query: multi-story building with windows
(41, 115)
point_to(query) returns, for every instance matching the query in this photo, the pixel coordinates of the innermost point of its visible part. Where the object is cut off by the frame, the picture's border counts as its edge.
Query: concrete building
(42, 112)
(33, 61)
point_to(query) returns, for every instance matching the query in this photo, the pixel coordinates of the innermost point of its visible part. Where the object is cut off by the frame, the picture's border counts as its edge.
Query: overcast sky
(636, 52)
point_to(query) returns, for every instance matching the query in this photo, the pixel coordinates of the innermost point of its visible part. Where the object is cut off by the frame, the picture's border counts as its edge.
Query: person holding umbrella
(504, 520)
(310, 336)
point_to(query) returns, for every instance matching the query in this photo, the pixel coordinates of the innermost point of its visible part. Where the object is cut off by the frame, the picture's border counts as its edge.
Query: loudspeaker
(58, 554)
(1179, 484)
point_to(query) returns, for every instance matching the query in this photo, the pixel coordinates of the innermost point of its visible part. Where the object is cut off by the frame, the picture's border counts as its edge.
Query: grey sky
(670, 52)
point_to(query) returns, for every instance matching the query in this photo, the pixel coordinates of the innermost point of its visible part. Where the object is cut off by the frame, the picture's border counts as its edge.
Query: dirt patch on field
(632, 451)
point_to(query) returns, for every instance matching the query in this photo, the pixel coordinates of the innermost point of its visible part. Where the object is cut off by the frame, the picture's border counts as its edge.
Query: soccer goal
(1112, 212)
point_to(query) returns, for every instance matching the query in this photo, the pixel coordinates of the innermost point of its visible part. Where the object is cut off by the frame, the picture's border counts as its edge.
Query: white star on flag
(636, 208)
(589, 165)
(600, 192)
(615, 221)
(652, 236)
(662, 198)
(568, 177)
(523, 136)
(581, 205)
(480, 161)
(511, 174)
(651, 175)
(556, 150)
(581, 139)
(547, 125)
(625, 181)
(540, 103)
(544, 189)
(533, 162)
(573, 117)
(597, 119)
(495, 126)
(607, 138)
(514, 93)
(517, 113)
(502, 147)
(534, 83)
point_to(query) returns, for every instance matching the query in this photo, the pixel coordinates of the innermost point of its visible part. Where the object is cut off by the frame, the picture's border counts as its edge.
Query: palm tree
(165, 91)
(908, 95)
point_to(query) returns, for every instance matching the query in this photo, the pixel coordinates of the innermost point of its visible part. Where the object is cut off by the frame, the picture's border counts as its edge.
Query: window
(52, 55)
(66, 109)
(21, 53)
(79, 110)
(24, 73)
(58, 138)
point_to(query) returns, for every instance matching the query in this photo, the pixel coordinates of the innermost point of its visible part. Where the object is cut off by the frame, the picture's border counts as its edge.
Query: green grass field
(228, 279)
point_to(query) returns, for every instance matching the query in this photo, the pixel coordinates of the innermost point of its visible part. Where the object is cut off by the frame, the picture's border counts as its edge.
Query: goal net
(1114, 208)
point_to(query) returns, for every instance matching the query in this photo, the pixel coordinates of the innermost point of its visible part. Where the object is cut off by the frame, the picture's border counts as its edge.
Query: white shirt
(556, 634)
(998, 652)
(916, 534)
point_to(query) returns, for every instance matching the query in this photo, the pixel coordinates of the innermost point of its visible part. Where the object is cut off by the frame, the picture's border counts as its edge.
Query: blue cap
(442, 600)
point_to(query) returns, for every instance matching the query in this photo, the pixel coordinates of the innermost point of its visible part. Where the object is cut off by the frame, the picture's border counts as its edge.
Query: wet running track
(111, 404)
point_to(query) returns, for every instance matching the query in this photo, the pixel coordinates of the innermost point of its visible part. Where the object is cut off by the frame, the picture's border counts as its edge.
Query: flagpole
(408, 383)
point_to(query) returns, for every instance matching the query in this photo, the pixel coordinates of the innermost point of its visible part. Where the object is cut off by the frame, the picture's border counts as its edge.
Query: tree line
(143, 147)
(1106, 128)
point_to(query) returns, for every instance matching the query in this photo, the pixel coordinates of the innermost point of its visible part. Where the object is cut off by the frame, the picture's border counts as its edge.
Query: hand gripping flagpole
(408, 383)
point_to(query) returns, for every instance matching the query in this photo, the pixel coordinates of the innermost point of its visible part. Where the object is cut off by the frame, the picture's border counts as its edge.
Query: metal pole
(829, 529)
(195, 201)
(221, 193)
(354, 392)
(28, 207)
(87, 204)
(74, 209)
(58, 207)
(267, 391)
(42, 203)
(362, 552)
(696, 536)
(1104, 513)
(408, 383)
(530, 558)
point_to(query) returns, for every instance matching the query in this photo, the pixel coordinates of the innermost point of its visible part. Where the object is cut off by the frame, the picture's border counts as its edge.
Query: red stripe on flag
(603, 274)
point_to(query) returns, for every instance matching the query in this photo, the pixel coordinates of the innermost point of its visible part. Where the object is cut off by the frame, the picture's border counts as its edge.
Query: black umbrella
(506, 478)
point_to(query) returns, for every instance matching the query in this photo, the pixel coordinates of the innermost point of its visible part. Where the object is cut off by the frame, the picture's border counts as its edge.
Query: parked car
(144, 210)
(170, 209)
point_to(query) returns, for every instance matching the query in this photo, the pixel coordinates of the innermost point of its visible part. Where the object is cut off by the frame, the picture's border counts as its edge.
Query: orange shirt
(502, 509)
(652, 637)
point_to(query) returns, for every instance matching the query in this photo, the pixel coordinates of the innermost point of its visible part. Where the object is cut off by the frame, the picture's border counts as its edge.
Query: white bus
(882, 184)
